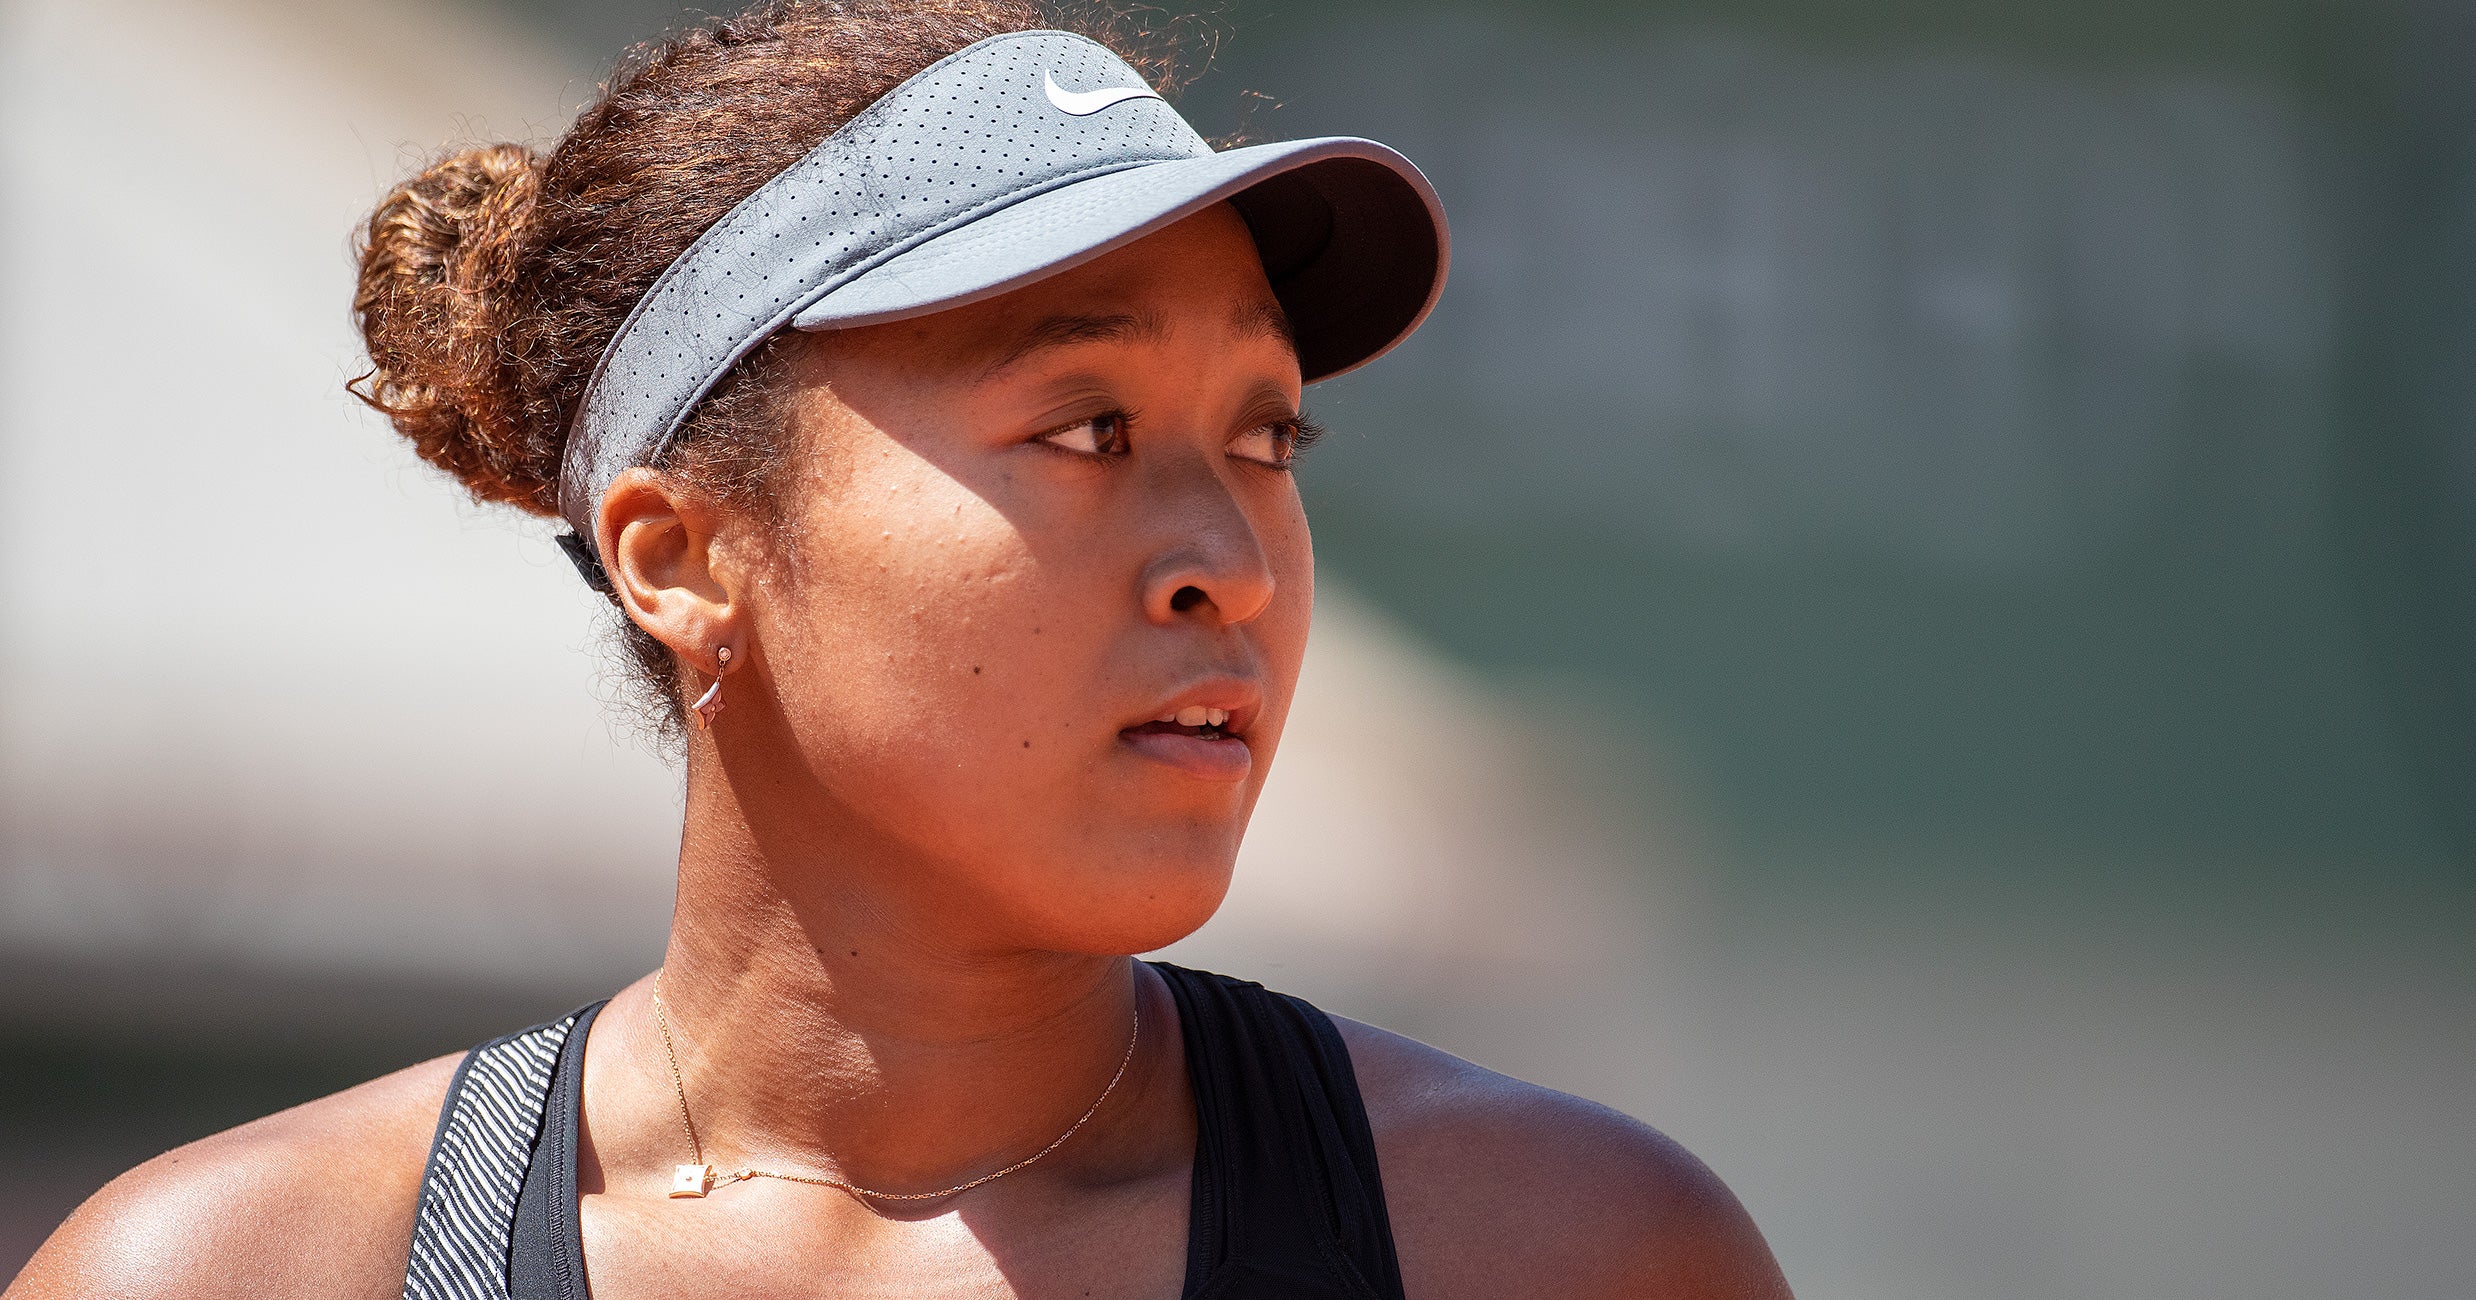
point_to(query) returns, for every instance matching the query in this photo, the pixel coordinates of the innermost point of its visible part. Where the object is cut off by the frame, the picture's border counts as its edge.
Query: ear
(659, 547)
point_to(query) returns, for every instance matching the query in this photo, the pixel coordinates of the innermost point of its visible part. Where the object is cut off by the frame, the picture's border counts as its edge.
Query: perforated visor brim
(1352, 237)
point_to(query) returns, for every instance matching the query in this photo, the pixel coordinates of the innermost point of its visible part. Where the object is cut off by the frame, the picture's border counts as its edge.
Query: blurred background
(1911, 620)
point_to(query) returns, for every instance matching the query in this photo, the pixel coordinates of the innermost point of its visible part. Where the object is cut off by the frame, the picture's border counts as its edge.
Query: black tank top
(1287, 1203)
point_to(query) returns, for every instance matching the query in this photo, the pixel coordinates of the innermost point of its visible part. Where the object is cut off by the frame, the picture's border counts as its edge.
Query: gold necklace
(699, 1178)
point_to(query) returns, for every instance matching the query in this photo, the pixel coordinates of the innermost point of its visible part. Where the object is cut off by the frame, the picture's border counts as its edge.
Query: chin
(1138, 910)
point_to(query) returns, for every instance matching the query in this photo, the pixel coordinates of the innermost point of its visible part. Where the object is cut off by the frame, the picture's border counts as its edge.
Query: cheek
(1292, 550)
(913, 605)
(944, 664)
(1281, 633)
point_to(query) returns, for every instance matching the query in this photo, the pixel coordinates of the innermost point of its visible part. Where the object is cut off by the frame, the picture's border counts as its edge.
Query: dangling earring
(710, 703)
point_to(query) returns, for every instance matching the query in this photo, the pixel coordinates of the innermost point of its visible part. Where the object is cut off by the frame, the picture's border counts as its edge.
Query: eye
(1098, 435)
(1276, 443)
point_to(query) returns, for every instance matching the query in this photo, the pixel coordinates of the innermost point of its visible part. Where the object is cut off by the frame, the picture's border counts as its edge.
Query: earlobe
(710, 703)
(665, 571)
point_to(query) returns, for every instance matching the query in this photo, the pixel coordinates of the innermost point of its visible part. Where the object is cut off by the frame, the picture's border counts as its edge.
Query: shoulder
(314, 1201)
(1502, 1188)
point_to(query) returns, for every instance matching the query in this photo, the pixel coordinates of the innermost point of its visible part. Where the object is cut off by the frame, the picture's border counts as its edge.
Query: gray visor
(1007, 162)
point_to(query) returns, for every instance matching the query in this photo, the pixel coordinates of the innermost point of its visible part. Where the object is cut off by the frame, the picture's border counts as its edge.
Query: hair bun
(437, 261)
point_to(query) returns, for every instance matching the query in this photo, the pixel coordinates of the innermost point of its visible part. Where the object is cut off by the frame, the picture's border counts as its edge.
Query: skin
(919, 843)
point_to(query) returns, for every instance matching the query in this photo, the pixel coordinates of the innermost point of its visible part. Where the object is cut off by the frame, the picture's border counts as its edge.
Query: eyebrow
(1264, 319)
(1260, 318)
(1065, 331)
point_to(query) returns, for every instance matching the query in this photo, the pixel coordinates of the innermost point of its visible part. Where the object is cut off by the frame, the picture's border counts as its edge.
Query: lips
(1200, 732)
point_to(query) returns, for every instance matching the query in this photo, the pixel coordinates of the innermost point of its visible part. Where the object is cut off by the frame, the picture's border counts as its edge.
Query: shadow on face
(1046, 598)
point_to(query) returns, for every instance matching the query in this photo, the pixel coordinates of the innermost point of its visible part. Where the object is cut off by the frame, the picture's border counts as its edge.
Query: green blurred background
(1953, 427)
(1972, 504)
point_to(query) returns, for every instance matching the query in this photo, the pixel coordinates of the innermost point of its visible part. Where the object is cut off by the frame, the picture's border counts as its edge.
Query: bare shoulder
(1502, 1188)
(313, 1201)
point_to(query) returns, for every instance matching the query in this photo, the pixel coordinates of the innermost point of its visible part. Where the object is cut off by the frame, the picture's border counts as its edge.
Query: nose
(1211, 565)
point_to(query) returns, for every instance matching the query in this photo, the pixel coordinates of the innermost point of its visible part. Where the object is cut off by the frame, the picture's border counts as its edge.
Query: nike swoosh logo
(1084, 103)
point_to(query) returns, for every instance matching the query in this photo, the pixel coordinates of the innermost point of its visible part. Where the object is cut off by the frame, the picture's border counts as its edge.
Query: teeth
(1196, 715)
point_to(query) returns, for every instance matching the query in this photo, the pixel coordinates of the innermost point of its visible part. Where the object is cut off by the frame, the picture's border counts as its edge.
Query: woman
(923, 393)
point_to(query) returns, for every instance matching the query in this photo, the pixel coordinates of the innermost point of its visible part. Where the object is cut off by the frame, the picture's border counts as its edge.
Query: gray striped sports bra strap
(477, 1165)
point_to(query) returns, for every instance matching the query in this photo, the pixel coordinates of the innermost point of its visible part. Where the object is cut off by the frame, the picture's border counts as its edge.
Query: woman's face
(1028, 529)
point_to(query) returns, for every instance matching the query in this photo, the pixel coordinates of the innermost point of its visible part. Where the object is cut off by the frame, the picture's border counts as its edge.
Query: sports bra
(1286, 1201)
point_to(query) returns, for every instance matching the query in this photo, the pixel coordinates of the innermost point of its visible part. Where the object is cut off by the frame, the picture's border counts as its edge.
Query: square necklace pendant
(692, 1180)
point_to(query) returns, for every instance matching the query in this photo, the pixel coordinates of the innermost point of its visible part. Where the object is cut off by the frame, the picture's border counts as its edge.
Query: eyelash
(1118, 420)
(1300, 431)
(1303, 433)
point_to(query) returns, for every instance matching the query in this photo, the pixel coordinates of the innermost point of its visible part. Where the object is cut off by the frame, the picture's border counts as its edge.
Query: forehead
(1200, 277)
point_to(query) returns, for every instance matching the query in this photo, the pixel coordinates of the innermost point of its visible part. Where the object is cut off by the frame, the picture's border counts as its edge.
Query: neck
(818, 1030)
